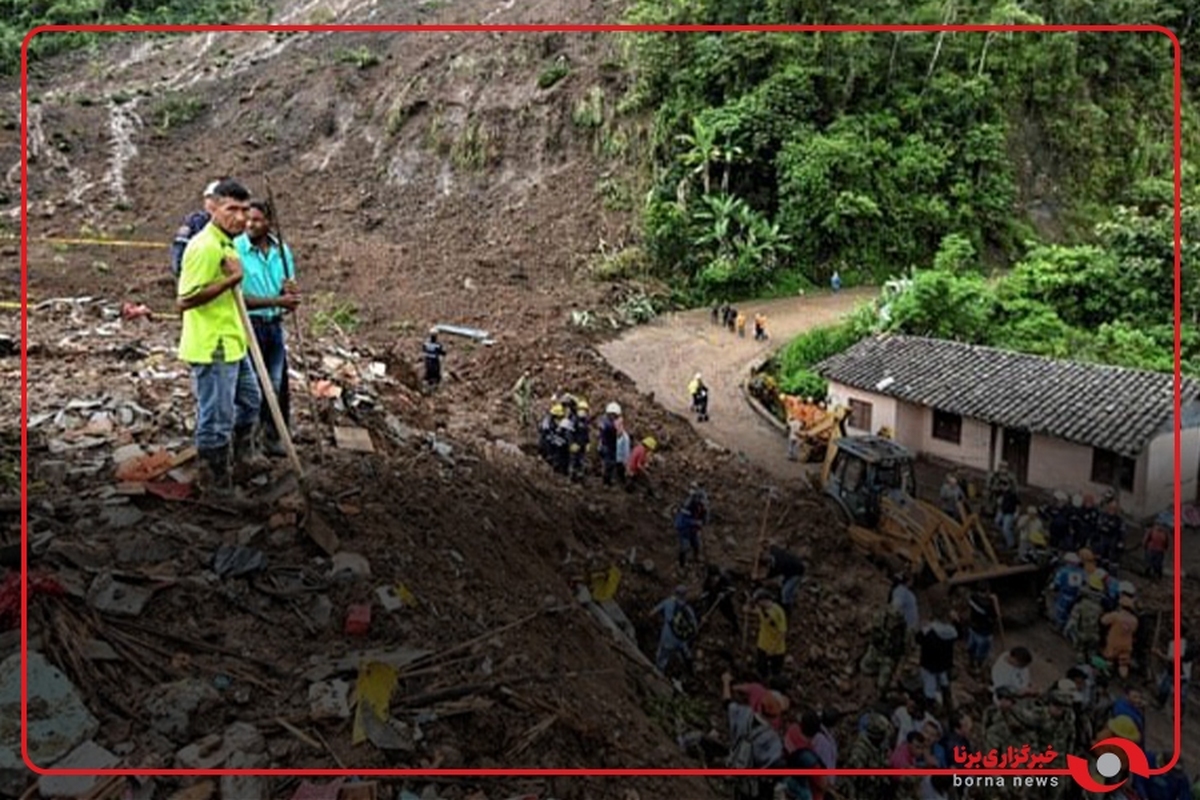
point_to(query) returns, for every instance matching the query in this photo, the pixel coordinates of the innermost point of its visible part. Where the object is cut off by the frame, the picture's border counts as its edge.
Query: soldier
(886, 648)
(1083, 624)
(1053, 725)
(998, 482)
(869, 751)
(1002, 728)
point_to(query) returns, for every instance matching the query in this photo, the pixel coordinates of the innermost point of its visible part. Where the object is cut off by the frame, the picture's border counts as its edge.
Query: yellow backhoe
(871, 483)
(820, 426)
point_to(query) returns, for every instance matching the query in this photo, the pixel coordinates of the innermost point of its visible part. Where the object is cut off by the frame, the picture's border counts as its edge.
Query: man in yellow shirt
(213, 341)
(772, 635)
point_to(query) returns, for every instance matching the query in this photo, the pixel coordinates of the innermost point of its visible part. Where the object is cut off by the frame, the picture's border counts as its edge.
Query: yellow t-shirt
(772, 630)
(216, 324)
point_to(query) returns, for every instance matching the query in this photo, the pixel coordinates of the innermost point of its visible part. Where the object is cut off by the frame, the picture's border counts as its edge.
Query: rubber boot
(248, 460)
(272, 444)
(216, 478)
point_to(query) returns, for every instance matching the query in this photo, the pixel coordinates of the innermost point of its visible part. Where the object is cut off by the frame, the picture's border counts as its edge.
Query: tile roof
(1113, 408)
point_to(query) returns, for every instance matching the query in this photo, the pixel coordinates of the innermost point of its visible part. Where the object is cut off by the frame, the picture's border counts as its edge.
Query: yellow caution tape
(106, 242)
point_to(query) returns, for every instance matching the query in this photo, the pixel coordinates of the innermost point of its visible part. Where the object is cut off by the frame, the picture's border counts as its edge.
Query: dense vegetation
(18, 17)
(1024, 181)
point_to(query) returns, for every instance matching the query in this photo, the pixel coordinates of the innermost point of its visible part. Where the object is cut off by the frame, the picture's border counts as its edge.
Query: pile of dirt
(498, 663)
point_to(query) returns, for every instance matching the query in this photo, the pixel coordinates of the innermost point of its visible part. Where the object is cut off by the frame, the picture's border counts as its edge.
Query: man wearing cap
(1053, 723)
(269, 288)
(212, 340)
(678, 629)
(869, 751)
(191, 225)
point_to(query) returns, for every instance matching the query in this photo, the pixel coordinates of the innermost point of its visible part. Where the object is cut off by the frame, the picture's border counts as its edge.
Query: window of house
(860, 415)
(947, 426)
(1109, 468)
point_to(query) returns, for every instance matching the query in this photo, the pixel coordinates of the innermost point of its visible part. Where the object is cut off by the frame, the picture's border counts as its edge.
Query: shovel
(316, 528)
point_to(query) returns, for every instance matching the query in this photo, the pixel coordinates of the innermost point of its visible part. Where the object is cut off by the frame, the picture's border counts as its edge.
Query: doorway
(1016, 452)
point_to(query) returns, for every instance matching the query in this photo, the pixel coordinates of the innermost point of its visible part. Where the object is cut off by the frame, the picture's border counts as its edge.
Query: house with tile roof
(1058, 424)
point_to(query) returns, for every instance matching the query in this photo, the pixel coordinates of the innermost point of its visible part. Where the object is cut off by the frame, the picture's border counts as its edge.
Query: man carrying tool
(269, 288)
(213, 342)
(191, 225)
(433, 353)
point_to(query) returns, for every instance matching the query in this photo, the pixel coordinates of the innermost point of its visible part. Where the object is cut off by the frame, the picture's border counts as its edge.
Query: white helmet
(613, 408)
(697, 376)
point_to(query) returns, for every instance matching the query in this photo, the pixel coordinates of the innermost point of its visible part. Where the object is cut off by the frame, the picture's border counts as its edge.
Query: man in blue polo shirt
(270, 290)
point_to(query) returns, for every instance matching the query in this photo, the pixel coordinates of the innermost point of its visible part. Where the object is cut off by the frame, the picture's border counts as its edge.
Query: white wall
(1158, 490)
(972, 449)
(1053, 463)
(883, 409)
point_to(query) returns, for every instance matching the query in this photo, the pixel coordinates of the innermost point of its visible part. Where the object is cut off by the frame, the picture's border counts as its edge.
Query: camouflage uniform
(886, 650)
(1002, 729)
(1051, 730)
(1083, 624)
(869, 751)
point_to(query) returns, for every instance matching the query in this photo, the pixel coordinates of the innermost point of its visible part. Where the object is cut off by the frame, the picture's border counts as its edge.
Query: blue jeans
(1005, 522)
(227, 396)
(978, 646)
(274, 352)
(790, 587)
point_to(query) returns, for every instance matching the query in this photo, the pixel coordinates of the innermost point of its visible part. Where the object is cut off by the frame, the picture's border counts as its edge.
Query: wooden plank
(352, 438)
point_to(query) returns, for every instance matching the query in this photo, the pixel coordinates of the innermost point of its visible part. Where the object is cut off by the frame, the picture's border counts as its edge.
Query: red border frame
(540, 28)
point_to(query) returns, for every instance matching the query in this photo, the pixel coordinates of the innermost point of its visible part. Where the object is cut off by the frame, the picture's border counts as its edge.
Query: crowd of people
(943, 694)
(729, 317)
(916, 720)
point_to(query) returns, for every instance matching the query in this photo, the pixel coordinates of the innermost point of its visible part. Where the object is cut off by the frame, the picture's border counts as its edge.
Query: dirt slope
(439, 184)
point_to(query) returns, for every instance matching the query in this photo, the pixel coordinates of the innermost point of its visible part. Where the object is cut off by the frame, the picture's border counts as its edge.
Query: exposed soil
(437, 185)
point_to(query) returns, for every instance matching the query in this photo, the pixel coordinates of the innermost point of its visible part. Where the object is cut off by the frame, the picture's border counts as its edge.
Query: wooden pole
(264, 379)
(289, 271)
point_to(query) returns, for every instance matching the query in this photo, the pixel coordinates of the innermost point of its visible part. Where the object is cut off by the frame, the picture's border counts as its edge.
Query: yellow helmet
(557, 410)
(582, 405)
(1124, 727)
(1038, 538)
(1096, 579)
(650, 442)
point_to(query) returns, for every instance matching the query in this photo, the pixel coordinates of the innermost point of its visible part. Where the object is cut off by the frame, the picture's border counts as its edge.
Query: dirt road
(662, 357)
